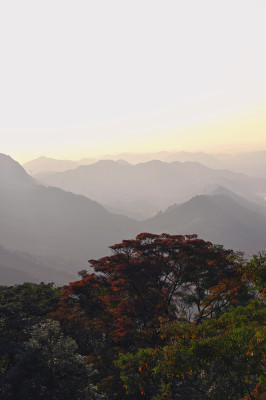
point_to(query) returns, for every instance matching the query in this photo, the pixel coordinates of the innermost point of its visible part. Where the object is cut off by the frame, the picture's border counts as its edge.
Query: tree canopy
(120, 307)
(164, 317)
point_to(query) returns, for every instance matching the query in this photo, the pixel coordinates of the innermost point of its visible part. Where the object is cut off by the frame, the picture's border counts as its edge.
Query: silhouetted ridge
(221, 190)
(217, 218)
(140, 190)
(47, 164)
(12, 173)
(48, 221)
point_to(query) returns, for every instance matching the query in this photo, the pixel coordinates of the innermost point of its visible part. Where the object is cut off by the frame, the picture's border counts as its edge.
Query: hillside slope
(18, 267)
(53, 223)
(217, 218)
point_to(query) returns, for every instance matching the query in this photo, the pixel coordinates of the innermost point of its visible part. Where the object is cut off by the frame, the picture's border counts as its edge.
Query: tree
(49, 368)
(21, 307)
(255, 273)
(148, 279)
(221, 358)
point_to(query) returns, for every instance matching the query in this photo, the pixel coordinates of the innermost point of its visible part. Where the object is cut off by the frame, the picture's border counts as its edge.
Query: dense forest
(163, 317)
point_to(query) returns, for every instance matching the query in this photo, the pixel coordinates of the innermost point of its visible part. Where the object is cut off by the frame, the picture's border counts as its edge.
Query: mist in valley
(53, 221)
(132, 200)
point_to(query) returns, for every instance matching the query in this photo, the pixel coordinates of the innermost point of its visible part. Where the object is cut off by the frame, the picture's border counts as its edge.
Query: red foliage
(153, 277)
(149, 278)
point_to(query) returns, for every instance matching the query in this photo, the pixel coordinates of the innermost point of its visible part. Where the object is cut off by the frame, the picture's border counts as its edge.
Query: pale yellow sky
(83, 78)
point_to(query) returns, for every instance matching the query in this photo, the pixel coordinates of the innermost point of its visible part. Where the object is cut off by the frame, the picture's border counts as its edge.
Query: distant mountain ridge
(140, 190)
(47, 164)
(49, 222)
(52, 233)
(217, 218)
(250, 163)
(220, 190)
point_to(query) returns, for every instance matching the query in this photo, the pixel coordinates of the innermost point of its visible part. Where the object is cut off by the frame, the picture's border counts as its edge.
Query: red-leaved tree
(153, 277)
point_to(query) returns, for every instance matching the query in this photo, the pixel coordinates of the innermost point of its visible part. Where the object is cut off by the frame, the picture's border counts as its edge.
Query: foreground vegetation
(164, 317)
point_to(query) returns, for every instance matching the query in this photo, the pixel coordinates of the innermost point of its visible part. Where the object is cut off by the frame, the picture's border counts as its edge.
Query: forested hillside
(163, 317)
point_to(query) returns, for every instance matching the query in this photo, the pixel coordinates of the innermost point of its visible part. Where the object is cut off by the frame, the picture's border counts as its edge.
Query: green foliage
(49, 368)
(21, 307)
(163, 318)
(221, 358)
(255, 273)
(146, 280)
(136, 373)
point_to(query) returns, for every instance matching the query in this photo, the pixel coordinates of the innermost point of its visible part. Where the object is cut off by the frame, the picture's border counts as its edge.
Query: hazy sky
(79, 78)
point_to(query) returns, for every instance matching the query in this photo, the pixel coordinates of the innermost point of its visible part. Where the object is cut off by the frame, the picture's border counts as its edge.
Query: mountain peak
(11, 172)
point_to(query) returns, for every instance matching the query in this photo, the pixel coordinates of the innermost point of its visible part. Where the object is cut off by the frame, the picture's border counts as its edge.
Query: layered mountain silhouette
(47, 164)
(49, 222)
(258, 206)
(250, 163)
(218, 218)
(49, 234)
(141, 190)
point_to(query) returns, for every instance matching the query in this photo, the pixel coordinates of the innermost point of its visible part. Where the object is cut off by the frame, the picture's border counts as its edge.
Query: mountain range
(218, 218)
(139, 191)
(249, 163)
(49, 234)
(48, 222)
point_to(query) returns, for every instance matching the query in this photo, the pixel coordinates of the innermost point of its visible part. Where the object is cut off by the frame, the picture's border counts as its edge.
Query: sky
(84, 78)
